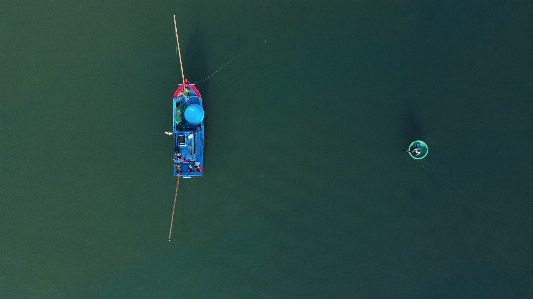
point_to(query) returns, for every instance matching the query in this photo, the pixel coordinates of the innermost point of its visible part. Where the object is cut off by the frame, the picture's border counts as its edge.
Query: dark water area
(307, 193)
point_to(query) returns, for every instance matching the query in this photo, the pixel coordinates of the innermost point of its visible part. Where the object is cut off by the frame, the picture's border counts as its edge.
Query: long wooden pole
(179, 52)
(179, 172)
(174, 206)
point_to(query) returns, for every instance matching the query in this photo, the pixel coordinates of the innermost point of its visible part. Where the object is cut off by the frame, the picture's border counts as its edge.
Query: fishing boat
(188, 124)
(188, 131)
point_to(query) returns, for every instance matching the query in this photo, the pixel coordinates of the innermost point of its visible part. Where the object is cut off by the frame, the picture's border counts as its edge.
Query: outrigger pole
(179, 172)
(174, 206)
(179, 52)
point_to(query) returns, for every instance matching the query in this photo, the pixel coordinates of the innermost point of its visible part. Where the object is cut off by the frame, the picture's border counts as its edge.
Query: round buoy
(418, 149)
(194, 114)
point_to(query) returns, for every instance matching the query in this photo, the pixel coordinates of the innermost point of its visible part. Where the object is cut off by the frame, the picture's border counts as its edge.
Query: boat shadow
(412, 127)
(195, 58)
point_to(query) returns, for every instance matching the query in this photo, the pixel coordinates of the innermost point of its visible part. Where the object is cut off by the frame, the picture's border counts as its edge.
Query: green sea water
(306, 193)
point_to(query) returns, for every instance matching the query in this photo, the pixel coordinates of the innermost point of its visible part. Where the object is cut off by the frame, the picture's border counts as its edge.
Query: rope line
(264, 42)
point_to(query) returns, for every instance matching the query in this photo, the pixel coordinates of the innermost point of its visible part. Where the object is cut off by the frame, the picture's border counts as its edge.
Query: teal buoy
(418, 149)
(194, 114)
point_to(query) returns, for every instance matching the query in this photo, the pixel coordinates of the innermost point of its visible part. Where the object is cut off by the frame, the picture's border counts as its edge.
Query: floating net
(179, 116)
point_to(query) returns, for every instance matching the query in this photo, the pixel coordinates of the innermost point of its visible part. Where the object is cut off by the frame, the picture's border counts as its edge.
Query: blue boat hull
(189, 138)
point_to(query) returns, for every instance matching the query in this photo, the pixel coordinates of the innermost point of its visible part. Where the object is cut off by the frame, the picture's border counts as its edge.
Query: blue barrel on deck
(194, 114)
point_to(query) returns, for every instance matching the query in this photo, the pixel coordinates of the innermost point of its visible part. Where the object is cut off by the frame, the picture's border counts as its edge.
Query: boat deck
(188, 138)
